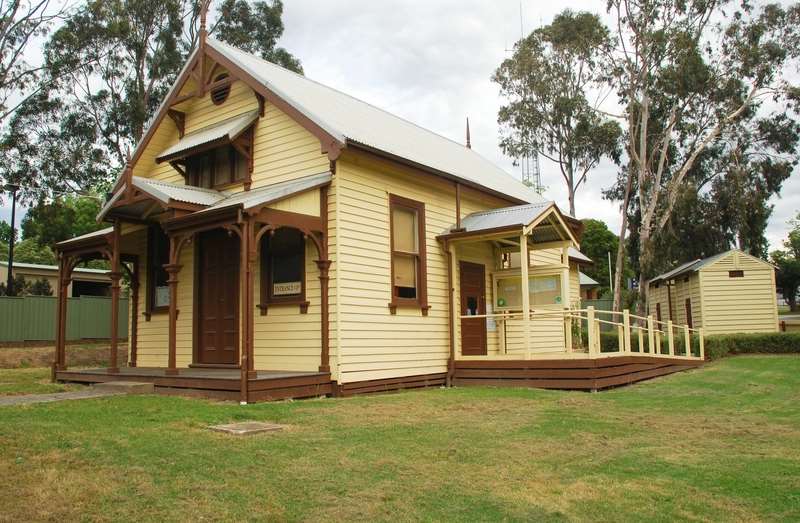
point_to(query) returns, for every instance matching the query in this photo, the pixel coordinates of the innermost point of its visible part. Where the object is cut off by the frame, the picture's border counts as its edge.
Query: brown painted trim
(324, 264)
(200, 221)
(115, 276)
(437, 379)
(134, 333)
(421, 300)
(295, 220)
(689, 319)
(451, 359)
(568, 374)
(458, 235)
(265, 294)
(329, 144)
(179, 118)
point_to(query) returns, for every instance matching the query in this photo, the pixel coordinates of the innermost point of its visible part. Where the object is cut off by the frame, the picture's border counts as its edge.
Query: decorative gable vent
(220, 94)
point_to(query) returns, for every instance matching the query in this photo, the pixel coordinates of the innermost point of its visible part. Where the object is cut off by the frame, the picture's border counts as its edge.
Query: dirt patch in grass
(84, 355)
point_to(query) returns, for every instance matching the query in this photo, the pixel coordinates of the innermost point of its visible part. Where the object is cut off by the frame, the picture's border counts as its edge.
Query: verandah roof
(214, 135)
(165, 192)
(545, 221)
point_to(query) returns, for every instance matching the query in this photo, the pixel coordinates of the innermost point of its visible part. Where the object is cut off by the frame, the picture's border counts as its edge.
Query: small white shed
(725, 293)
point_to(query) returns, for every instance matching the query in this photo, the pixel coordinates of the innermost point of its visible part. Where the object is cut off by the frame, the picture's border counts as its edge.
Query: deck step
(126, 387)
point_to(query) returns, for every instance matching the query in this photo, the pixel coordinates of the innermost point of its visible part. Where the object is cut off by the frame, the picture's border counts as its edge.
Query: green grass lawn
(715, 444)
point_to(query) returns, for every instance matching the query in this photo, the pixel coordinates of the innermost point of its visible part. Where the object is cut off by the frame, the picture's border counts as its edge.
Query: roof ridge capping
(359, 100)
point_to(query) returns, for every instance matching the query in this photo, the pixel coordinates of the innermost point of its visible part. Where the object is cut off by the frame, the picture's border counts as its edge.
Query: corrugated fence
(33, 318)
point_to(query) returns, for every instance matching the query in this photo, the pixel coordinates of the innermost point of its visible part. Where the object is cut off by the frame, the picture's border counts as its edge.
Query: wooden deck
(222, 384)
(570, 374)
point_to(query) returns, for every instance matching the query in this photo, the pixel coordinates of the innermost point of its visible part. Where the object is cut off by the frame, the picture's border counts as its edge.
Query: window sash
(218, 167)
(407, 252)
(158, 256)
(269, 261)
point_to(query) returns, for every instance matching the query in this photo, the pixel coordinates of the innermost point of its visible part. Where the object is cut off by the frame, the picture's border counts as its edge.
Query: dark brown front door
(218, 299)
(473, 302)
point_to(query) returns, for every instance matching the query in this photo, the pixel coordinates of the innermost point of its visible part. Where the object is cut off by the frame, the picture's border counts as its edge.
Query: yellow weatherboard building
(722, 294)
(284, 239)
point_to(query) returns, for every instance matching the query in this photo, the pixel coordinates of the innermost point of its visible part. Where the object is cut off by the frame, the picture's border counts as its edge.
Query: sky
(430, 62)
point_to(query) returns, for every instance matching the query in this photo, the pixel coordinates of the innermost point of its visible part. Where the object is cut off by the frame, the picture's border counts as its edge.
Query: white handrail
(656, 331)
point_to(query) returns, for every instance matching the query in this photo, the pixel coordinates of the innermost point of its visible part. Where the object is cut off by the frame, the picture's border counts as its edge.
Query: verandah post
(59, 362)
(590, 330)
(670, 338)
(701, 334)
(173, 268)
(524, 262)
(626, 322)
(687, 337)
(115, 276)
(651, 335)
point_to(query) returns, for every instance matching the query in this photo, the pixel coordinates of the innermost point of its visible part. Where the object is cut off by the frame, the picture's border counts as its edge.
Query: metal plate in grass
(247, 428)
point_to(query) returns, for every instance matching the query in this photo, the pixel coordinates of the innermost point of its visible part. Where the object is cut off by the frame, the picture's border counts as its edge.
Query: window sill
(156, 311)
(411, 304)
(264, 307)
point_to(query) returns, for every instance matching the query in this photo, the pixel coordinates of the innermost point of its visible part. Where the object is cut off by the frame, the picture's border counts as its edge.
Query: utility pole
(12, 188)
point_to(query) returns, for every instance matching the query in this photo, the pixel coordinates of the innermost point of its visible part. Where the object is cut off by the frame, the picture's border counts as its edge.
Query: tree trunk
(645, 262)
(620, 266)
(572, 202)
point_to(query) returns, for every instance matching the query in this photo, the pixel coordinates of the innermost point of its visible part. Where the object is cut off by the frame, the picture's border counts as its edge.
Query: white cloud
(431, 62)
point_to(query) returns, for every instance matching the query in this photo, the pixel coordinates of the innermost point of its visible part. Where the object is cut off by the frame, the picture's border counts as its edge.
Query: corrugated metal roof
(696, 265)
(166, 191)
(226, 129)
(41, 267)
(100, 232)
(274, 192)
(578, 255)
(349, 119)
(586, 280)
(518, 215)
(688, 266)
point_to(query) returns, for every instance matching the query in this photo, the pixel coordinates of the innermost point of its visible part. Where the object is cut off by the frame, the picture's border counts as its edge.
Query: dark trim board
(222, 384)
(392, 384)
(567, 374)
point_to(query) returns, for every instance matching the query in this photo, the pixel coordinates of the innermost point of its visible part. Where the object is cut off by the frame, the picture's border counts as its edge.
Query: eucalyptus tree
(686, 72)
(106, 70)
(546, 86)
(22, 23)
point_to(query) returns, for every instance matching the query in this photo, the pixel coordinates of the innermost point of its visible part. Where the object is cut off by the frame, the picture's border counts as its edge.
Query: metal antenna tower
(529, 165)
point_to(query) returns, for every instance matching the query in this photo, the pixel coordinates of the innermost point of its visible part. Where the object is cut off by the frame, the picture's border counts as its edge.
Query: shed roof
(695, 265)
(587, 280)
(578, 256)
(225, 131)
